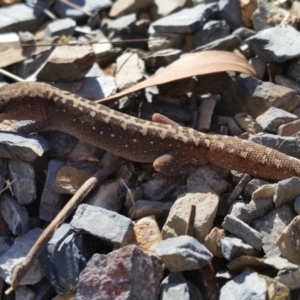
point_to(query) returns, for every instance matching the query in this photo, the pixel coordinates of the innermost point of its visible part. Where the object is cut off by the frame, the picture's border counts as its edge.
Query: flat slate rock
(186, 20)
(276, 44)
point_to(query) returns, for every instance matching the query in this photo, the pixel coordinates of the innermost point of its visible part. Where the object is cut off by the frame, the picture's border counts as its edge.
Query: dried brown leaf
(194, 64)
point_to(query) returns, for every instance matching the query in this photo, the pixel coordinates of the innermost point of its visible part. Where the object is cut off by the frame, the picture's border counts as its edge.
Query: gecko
(162, 142)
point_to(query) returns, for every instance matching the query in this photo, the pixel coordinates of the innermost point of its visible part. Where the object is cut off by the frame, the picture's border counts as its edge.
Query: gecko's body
(168, 146)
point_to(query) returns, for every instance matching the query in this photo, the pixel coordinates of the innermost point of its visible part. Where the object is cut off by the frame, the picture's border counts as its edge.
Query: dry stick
(42, 241)
(190, 226)
(76, 7)
(12, 76)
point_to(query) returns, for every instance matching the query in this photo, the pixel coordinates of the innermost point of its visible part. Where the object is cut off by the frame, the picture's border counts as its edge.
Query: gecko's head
(17, 99)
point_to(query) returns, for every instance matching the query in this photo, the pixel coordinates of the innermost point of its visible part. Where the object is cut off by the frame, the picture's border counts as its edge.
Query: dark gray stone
(20, 146)
(271, 119)
(23, 17)
(284, 144)
(121, 24)
(276, 44)
(244, 32)
(252, 186)
(243, 231)
(271, 226)
(255, 209)
(60, 27)
(65, 11)
(24, 186)
(5, 244)
(3, 172)
(228, 43)
(162, 58)
(127, 273)
(51, 202)
(284, 81)
(16, 254)
(233, 247)
(113, 227)
(297, 205)
(14, 214)
(24, 293)
(230, 11)
(183, 253)
(175, 287)
(43, 290)
(286, 191)
(186, 20)
(211, 31)
(62, 263)
(248, 286)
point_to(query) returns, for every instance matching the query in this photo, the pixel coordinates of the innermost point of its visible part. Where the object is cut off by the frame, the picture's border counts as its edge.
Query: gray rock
(228, 43)
(297, 205)
(284, 81)
(273, 118)
(144, 208)
(130, 70)
(65, 11)
(233, 247)
(24, 293)
(183, 253)
(211, 31)
(24, 186)
(162, 58)
(244, 32)
(121, 7)
(286, 191)
(20, 146)
(230, 11)
(253, 185)
(5, 243)
(67, 63)
(243, 231)
(43, 290)
(291, 279)
(63, 264)
(260, 67)
(186, 20)
(288, 242)
(174, 287)
(60, 27)
(15, 215)
(284, 144)
(113, 228)
(22, 17)
(3, 172)
(161, 41)
(139, 278)
(51, 202)
(270, 45)
(17, 253)
(213, 241)
(122, 24)
(271, 226)
(248, 285)
(255, 209)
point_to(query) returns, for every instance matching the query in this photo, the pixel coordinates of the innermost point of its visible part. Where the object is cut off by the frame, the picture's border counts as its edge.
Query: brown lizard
(164, 143)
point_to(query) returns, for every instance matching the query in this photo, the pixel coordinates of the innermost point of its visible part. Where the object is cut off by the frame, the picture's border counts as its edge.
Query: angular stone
(5, 243)
(67, 63)
(288, 242)
(63, 264)
(162, 58)
(24, 186)
(60, 27)
(247, 123)
(121, 7)
(243, 231)
(164, 8)
(24, 293)
(146, 234)
(22, 17)
(271, 119)
(233, 247)
(206, 110)
(287, 145)
(255, 209)
(230, 11)
(183, 253)
(127, 273)
(206, 209)
(284, 81)
(265, 191)
(17, 253)
(129, 71)
(253, 185)
(297, 205)
(247, 285)
(15, 215)
(244, 32)
(113, 228)
(51, 201)
(161, 41)
(211, 31)
(286, 191)
(144, 208)
(21, 146)
(269, 45)
(186, 20)
(213, 241)
(275, 289)
(289, 129)
(271, 226)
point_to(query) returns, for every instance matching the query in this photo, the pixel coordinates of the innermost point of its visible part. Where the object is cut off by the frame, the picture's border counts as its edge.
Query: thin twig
(21, 270)
(190, 226)
(12, 76)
